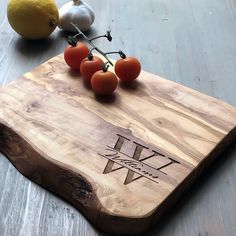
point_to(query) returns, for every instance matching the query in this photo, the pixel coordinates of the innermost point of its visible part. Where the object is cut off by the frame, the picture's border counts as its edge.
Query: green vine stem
(107, 35)
(80, 33)
(105, 66)
(122, 55)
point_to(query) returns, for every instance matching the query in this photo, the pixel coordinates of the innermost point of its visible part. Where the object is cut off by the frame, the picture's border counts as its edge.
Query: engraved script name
(131, 164)
(134, 163)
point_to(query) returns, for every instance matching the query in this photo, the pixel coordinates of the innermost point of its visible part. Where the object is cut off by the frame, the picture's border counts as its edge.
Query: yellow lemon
(33, 19)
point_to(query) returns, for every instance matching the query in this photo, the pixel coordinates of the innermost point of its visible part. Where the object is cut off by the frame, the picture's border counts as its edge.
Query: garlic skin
(78, 12)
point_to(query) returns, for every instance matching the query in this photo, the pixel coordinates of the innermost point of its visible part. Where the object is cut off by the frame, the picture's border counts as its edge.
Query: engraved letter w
(136, 156)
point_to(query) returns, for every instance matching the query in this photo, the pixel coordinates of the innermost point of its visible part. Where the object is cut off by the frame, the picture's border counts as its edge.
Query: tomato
(73, 55)
(104, 83)
(127, 69)
(89, 66)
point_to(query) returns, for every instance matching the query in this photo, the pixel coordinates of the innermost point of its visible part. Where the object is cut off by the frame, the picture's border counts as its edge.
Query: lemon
(33, 19)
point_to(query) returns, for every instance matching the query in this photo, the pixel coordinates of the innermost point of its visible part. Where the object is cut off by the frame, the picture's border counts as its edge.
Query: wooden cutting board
(122, 161)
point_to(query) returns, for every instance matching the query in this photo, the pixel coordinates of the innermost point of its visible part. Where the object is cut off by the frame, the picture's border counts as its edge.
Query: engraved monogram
(135, 164)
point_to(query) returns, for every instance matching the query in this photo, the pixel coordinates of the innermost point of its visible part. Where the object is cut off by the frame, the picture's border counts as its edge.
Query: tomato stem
(80, 33)
(90, 55)
(122, 55)
(107, 35)
(105, 67)
(72, 41)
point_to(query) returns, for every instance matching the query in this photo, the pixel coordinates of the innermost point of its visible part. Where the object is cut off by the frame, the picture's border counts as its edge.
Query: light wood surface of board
(190, 42)
(122, 160)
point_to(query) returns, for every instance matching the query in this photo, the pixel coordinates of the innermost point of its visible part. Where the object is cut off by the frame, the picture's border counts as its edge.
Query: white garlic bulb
(77, 12)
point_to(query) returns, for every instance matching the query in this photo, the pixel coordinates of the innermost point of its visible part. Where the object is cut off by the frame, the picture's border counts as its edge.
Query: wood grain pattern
(122, 161)
(191, 42)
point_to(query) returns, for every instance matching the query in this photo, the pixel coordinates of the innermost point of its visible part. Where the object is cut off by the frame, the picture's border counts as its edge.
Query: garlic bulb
(78, 12)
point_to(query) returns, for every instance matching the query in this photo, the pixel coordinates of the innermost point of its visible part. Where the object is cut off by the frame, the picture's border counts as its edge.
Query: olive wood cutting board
(122, 160)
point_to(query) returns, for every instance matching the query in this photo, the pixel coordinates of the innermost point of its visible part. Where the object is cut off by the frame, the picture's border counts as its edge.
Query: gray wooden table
(192, 42)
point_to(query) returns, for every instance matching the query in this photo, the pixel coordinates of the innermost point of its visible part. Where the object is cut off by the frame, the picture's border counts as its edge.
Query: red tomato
(104, 83)
(89, 66)
(73, 55)
(127, 69)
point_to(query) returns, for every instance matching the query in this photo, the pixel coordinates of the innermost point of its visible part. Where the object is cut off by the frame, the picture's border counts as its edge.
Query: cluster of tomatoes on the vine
(94, 70)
